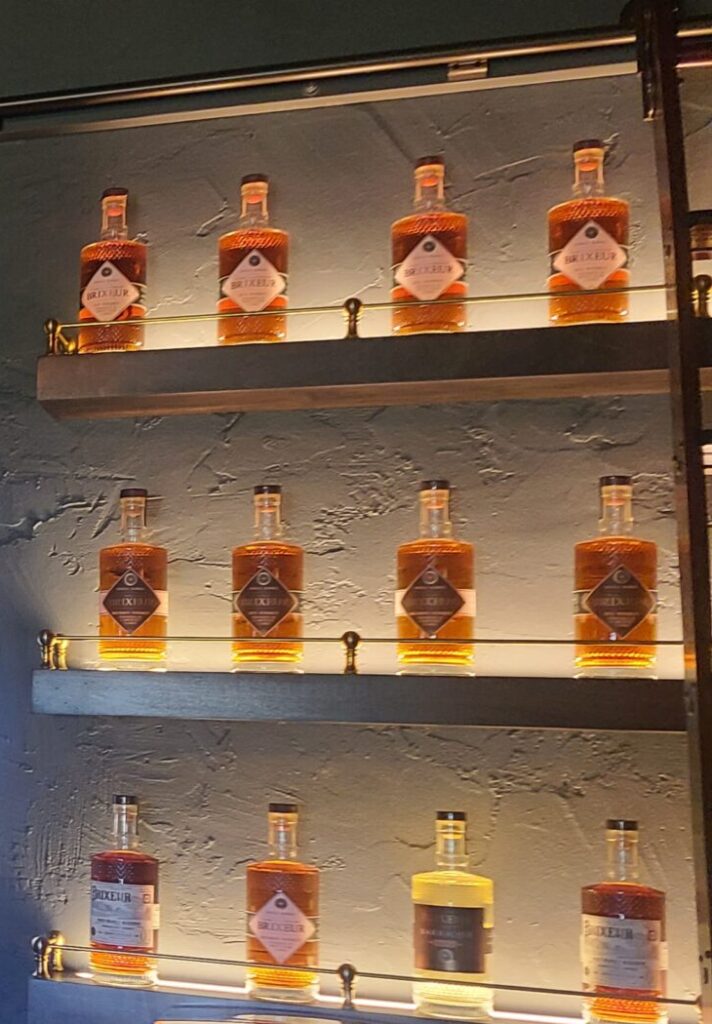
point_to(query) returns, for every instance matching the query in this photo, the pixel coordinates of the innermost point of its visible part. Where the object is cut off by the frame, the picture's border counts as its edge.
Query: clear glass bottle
(133, 584)
(623, 947)
(453, 921)
(124, 905)
(112, 281)
(283, 916)
(429, 258)
(435, 596)
(615, 591)
(588, 246)
(253, 271)
(267, 583)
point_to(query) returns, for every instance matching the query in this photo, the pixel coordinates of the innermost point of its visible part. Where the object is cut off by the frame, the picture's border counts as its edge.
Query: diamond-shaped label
(131, 601)
(431, 601)
(108, 293)
(264, 601)
(281, 927)
(254, 283)
(590, 257)
(621, 602)
(429, 269)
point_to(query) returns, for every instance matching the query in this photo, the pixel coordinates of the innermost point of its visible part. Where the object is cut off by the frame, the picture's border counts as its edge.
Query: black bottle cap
(435, 485)
(621, 825)
(249, 179)
(428, 161)
(133, 492)
(451, 816)
(699, 217)
(114, 191)
(587, 144)
(124, 801)
(616, 481)
(283, 809)
(268, 489)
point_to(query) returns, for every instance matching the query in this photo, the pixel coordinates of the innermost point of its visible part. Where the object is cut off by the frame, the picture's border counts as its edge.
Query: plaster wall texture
(526, 490)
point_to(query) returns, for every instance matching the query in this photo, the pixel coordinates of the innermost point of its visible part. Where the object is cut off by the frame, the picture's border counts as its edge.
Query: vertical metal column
(657, 48)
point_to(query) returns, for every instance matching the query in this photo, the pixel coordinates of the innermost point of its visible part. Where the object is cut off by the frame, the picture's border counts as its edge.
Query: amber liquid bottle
(588, 247)
(267, 583)
(623, 947)
(133, 611)
(283, 916)
(615, 596)
(112, 282)
(429, 258)
(253, 271)
(124, 905)
(435, 597)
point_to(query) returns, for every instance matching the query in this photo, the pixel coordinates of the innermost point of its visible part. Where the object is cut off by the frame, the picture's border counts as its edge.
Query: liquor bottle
(267, 582)
(623, 948)
(588, 246)
(113, 282)
(429, 258)
(133, 576)
(283, 916)
(452, 934)
(615, 597)
(435, 597)
(253, 271)
(124, 904)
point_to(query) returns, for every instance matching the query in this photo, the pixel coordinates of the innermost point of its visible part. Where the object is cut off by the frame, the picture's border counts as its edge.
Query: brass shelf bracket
(353, 308)
(347, 974)
(351, 640)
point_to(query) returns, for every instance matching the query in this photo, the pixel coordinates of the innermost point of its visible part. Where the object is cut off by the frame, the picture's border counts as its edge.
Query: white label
(624, 954)
(123, 914)
(254, 283)
(590, 257)
(281, 927)
(429, 269)
(109, 293)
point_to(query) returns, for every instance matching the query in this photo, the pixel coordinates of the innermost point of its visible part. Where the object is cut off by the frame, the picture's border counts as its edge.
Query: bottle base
(614, 672)
(124, 980)
(283, 995)
(454, 1010)
(433, 669)
(268, 666)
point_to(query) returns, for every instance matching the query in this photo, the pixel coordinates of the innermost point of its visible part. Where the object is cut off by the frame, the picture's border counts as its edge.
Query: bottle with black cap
(588, 246)
(435, 596)
(253, 271)
(283, 916)
(124, 904)
(452, 928)
(615, 591)
(623, 946)
(112, 282)
(133, 585)
(429, 258)
(267, 584)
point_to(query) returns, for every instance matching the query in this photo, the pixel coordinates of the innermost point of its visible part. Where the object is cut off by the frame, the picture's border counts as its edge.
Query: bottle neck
(253, 210)
(133, 519)
(435, 514)
(429, 188)
(283, 836)
(268, 516)
(622, 856)
(451, 846)
(113, 218)
(125, 827)
(616, 511)
(588, 173)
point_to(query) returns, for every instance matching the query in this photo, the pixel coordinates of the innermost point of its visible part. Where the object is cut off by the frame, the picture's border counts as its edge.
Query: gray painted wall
(525, 476)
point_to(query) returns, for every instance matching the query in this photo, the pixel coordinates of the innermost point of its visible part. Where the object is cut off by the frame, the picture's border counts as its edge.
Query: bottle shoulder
(454, 877)
(612, 543)
(106, 248)
(622, 889)
(273, 548)
(282, 867)
(425, 221)
(112, 856)
(589, 206)
(134, 548)
(436, 545)
(253, 236)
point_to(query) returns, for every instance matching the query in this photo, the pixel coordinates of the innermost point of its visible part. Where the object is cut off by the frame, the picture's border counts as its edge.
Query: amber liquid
(130, 258)
(450, 229)
(286, 563)
(454, 560)
(620, 901)
(565, 220)
(300, 882)
(151, 564)
(594, 561)
(270, 325)
(132, 868)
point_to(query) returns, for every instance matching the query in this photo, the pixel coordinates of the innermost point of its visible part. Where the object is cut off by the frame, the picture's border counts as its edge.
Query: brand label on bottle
(123, 914)
(450, 939)
(590, 257)
(431, 601)
(109, 293)
(625, 954)
(281, 927)
(429, 269)
(131, 601)
(620, 601)
(265, 601)
(254, 283)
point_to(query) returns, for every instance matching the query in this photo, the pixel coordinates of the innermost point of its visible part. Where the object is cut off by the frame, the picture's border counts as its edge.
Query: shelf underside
(504, 702)
(591, 359)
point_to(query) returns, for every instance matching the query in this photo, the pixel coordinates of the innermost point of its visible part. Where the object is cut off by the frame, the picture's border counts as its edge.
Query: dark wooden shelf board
(506, 702)
(590, 359)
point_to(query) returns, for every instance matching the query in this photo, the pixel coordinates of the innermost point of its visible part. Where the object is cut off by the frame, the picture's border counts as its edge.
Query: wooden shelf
(505, 702)
(590, 359)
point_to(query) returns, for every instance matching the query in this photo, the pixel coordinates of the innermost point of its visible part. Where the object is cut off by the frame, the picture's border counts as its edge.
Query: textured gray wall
(526, 490)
